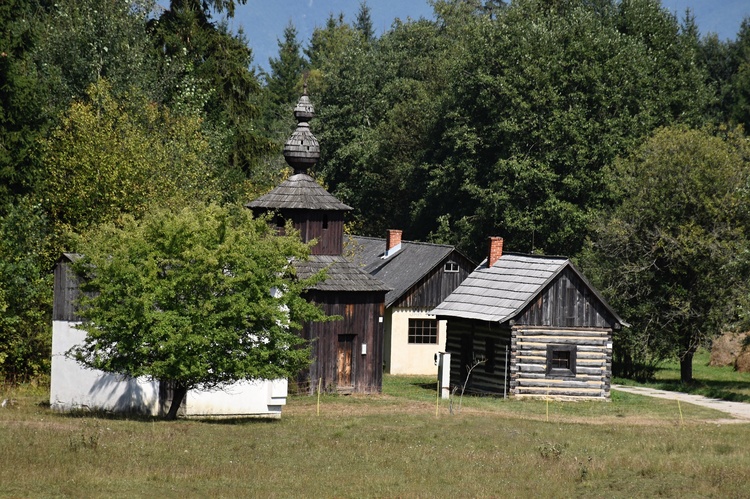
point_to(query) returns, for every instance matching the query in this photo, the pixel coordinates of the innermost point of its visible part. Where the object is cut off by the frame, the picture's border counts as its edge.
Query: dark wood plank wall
(566, 302)
(435, 287)
(311, 225)
(66, 289)
(470, 339)
(529, 362)
(360, 314)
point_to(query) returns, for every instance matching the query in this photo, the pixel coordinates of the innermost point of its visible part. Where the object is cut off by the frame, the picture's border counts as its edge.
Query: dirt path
(739, 410)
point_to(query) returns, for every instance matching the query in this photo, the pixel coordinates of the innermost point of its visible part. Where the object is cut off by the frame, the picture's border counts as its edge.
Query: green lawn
(374, 446)
(717, 382)
(380, 446)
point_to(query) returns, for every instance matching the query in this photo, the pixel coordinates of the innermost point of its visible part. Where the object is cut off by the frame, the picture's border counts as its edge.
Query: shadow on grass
(722, 390)
(143, 418)
(109, 415)
(430, 387)
(239, 420)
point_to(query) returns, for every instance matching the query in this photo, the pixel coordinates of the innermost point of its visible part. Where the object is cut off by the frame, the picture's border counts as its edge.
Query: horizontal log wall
(468, 340)
(593, 369)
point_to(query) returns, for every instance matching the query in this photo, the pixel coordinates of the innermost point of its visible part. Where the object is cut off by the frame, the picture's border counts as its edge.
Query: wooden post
(320, 382)
(437, 398)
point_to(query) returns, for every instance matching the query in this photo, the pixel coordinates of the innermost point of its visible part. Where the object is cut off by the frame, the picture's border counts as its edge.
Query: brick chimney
(392, 242)
(495, 250)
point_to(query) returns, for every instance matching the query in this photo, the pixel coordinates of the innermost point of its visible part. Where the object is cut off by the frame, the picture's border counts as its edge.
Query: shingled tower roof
(301, 152)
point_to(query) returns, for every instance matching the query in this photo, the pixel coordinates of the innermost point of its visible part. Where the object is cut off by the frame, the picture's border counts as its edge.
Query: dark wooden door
(345, 356)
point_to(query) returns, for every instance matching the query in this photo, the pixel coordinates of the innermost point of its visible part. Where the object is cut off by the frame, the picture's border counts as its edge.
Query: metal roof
(501, 292)
(402, 269)
(341, 274)
(299, 192)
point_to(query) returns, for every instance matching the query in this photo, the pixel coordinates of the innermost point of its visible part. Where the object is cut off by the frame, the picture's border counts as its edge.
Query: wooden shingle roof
(501, 292)
(299, 192)
(341, 274)
(401, 270)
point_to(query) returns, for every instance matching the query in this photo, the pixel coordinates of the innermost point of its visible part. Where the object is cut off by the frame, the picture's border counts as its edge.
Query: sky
(263, 21)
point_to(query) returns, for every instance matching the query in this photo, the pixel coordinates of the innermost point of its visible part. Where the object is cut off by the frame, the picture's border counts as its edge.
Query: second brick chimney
(495, 250)
(392, 242)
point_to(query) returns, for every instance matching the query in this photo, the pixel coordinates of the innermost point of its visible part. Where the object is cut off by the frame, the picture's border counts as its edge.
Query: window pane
(560, 359)
(422, 331)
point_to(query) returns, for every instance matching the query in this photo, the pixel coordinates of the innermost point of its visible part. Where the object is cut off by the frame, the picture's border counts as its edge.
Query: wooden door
(344, 364)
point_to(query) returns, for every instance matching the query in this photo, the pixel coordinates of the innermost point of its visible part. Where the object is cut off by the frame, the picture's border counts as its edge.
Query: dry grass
(381, 446)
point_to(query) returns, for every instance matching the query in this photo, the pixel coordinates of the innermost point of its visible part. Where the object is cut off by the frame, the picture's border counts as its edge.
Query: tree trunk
(178, 395)
(686, 367)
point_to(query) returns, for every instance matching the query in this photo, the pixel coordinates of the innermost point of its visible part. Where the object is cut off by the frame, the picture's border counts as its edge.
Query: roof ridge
(423, 243)
(532, 255)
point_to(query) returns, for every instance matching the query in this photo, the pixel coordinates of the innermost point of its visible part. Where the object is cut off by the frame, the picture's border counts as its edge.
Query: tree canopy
(673, 255)
(499, 120)
(200, 297)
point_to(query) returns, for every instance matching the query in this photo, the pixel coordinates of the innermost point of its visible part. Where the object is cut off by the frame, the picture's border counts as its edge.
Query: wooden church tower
(347, 353)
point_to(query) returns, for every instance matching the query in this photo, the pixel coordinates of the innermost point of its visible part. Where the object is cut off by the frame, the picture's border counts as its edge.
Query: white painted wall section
(75, 387)
(403, 357)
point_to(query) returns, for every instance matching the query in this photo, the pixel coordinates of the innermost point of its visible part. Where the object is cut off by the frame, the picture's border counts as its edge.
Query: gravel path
(739, 410)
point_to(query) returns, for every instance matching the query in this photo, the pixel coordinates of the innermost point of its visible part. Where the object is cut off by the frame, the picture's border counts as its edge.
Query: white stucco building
(74, 387)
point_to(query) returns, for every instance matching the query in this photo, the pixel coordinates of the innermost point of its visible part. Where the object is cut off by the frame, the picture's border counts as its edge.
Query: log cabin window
(450, 266)
(561, 360)
(422, 331)
(325, 222)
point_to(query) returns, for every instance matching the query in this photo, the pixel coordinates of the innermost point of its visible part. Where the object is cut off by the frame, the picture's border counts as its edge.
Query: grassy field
(380, 446)
(717, 382)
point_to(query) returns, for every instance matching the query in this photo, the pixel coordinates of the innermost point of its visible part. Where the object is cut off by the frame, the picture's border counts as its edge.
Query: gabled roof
(341, 274)
(299, 192)
(401, 270)
(501, 292)
(69, 257)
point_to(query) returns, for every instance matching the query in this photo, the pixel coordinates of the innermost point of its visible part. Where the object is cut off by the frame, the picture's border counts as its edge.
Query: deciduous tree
(200, 297)
(112, 156)
(673, 256)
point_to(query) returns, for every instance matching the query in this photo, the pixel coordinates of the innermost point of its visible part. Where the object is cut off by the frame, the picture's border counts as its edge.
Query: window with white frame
(450, 266)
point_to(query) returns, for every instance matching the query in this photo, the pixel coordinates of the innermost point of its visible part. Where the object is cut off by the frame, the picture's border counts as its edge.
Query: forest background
(608, 131)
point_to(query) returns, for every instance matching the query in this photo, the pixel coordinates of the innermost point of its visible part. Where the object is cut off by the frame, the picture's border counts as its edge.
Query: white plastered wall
(402, 357)
(75, 387)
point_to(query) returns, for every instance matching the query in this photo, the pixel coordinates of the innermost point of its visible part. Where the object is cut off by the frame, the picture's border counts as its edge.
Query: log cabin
(529, 326)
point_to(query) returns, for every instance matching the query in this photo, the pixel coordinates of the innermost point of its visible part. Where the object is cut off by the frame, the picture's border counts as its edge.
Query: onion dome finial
(302, 150)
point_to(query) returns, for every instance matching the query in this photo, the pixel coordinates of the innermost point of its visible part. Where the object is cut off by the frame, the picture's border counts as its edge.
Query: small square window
(422, 331)
(450, 266)
(561, 360)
